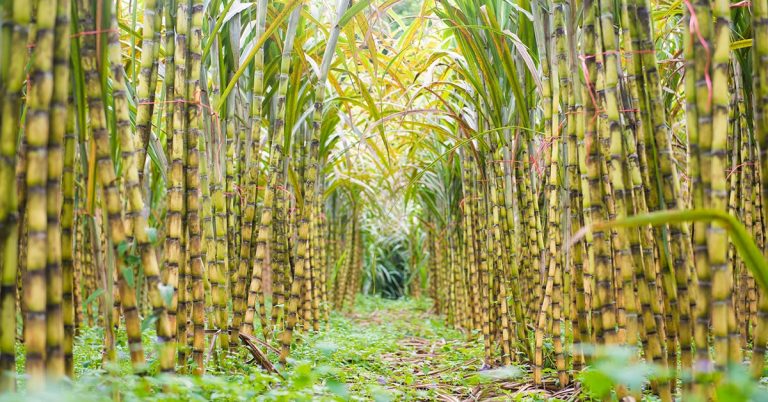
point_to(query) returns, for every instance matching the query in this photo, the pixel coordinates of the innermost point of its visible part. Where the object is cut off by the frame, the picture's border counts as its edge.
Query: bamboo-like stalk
(71, 268)
(469, 239)
(145, 88)
(717, 237)
(699, 96)
(602, 312)
(107, 179)
(248, 238)
(666, 178)
(303, 261)
(646, 264)
(37, 135)
(196, 246)
(279, 130)
(174, 251)
(276, 133)
(13, 75)
(55, 354)
(279, 257)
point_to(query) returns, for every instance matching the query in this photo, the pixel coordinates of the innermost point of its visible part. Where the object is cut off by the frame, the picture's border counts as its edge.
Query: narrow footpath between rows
(399, 351)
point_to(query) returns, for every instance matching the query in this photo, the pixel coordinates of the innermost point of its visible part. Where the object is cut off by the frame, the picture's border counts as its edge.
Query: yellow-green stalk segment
(339, 252)
(240, 201)
(699, 96)
(509, 268)
(574, 131)
(559, 87)
(434, 274)
(734, 208)
(55, 362)
(735, 204)
(634, 142)
(219, 279)
(169, 80)
(136, 207)
(736, 319)
(757, 312)
(108, 181)
(444, 279)
(86, 267)
(480, 203)
(666, 178)
(562, 128)
(153, 96)
(280, 258)
(531, 262)
(760, 90)
(584, 315)
(469, 238)
(145, 88)
(256, 297)
(353, 268)
(183, 329)
(519, 264)
(252, 172)
(229, 188)
(324, 243)
(194, 210)
(631, 128)
(603, 315)
(760, 337)
(175, 250)
(276, 133)
(318, 290)
(208, 252)
(716, 235)
(14, 51)
(758, 309)
(527, 281)
(15, 34)
(534, 187)
(73, 280)
(37, 131)
(104, 279)
(341, 276)
(612, 150)
(280, 129)
(499, 258)
(303, 260)
(550, 300)
(78, 275)
(357, 268)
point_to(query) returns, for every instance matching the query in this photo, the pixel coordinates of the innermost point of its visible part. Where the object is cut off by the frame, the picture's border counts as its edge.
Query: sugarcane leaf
(744, 243)
(741, 44)
(128, 275)
(93, 296)
(286, 11)
(526, 55)
(123, 247)
(234, 9)
(148, 322)
(352, 12)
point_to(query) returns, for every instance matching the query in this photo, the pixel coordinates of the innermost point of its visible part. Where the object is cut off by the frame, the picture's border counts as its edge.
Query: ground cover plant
(550, 199)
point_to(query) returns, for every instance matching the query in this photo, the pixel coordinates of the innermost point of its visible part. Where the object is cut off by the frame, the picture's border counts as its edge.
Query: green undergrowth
(383, 350)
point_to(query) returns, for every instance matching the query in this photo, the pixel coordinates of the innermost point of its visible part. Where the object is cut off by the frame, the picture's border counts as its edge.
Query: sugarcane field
(383, 200)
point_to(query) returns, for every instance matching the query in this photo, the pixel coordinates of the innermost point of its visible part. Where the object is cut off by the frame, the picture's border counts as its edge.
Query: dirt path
(425, 360)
